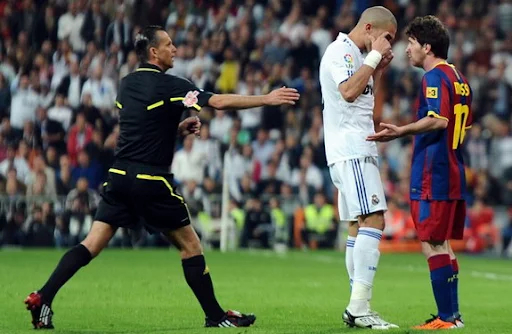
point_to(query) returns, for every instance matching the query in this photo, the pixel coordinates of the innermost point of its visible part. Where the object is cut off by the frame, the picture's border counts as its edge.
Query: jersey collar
(344, 38)
(443, 62)
(149, 67)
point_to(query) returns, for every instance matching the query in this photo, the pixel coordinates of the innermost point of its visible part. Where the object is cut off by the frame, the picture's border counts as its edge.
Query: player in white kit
(347, 81)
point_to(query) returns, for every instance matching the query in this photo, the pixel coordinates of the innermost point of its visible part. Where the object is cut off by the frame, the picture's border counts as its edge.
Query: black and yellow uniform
(151, 104)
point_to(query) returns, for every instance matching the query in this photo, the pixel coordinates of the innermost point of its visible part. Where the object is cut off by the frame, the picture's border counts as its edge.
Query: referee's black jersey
(151, 104)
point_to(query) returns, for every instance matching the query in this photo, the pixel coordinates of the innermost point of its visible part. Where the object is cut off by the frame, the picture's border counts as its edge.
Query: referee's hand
(282, 95)
(190, 125)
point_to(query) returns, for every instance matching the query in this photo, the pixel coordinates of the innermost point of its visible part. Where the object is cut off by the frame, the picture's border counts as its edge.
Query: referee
(151, 104)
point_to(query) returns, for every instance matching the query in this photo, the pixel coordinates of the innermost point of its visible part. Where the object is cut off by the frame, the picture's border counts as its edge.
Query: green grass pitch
(143, 291)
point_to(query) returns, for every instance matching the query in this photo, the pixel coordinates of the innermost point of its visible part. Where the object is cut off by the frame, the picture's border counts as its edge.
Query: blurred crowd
(60, 67)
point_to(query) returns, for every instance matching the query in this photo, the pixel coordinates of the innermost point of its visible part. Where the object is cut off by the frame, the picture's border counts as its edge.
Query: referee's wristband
(373, 59)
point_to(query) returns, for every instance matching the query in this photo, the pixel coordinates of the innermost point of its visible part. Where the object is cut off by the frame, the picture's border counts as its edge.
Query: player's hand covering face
(381, 43)
(281, 96)
(389, 132)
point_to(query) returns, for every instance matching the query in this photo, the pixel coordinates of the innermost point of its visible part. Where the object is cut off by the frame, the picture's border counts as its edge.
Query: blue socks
(455, 288)
(441, 276)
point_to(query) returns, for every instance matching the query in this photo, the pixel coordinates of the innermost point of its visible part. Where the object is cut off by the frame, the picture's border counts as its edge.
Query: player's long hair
(146, 39)
(430, 30)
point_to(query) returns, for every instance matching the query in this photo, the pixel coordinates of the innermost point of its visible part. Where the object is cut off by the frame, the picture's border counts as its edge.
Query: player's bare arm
(391, 131)
(276, 97)
(356, 84)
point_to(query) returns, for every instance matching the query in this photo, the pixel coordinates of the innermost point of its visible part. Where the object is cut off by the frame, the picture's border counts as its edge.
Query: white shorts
(360, 190)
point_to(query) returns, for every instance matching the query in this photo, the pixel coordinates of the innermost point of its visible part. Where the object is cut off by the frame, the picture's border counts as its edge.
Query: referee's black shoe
(232, 319)
(41, 312)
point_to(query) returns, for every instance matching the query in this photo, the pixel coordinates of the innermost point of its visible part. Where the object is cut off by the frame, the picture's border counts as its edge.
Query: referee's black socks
(198, 278)
(69, 264)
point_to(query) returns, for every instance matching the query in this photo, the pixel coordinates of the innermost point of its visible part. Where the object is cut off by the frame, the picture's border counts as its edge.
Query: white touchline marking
(414, 268)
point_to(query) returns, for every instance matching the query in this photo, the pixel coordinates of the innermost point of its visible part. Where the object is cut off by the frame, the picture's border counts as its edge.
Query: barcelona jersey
(437, 163)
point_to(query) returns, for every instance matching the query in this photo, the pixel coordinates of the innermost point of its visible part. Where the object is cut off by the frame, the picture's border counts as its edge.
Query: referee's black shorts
(134, 191)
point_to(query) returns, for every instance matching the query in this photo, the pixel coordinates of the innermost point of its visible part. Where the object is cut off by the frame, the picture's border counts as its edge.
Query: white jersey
(346, 125)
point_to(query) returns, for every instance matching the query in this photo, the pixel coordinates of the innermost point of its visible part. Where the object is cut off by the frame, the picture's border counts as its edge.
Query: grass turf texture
(143, 291)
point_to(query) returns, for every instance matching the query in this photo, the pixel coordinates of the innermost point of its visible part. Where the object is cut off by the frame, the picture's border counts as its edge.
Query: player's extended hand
(190, 125)
(381, 44)
(390, 132)
(281, 96)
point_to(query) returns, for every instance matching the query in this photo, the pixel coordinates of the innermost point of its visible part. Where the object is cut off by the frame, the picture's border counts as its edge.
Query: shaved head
(377, 16)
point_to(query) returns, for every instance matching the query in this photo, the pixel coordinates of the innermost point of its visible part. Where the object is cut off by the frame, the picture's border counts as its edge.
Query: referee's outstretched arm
(154, 46)
(276, 97)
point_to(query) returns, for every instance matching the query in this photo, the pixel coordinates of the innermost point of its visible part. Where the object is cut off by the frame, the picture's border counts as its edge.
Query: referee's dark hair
(145, 40)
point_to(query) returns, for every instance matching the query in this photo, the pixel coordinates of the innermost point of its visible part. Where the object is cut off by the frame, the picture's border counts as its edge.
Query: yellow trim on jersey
(436, 115)
(147, 69)
(119, 105)
(451, 65)
(469, 127)
(117, 171)
(156, 104)
(455, 71)
(174, 99)
(160, 178)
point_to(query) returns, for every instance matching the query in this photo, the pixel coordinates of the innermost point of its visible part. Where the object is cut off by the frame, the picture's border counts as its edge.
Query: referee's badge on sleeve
(431, 92)
(191, 99)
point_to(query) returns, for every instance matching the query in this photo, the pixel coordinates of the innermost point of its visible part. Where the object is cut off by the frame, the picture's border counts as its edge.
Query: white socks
(365, 258)
(349, 258)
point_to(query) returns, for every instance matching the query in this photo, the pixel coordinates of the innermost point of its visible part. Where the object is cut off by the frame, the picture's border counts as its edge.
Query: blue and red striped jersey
(437, 164)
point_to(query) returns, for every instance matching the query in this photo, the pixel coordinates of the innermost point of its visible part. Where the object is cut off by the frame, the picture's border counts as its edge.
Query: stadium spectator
(131, 65)
(120, 31)
(80, 134)
(208, 148)
(42, 179)
(45, 27)
(95, 24)
(269, 185)
(25, 100)
(39, 228)
(257, 227)
(60, 112)
(71, 85)
(61, 60)
(88, 169)
(189, 164)
(312, 173)
(81, 205)
(16, 163)
(13, 233)
(70, 25)
(320, 223)
(101, 88)
(220, 125)
(50, 133)
(64, 179)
